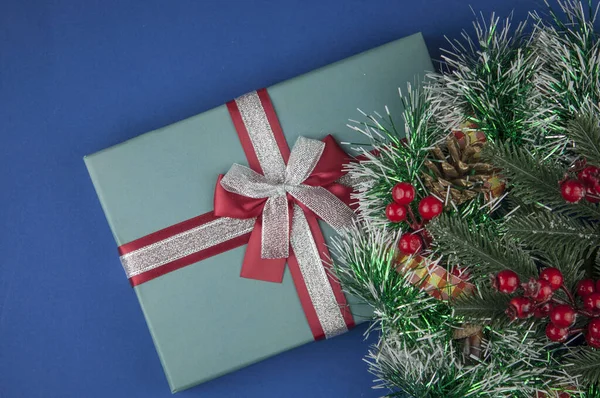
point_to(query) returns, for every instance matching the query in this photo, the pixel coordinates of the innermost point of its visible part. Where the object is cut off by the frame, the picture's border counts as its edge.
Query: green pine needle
(491, 81)
(584, 361)
(536, 181)
(479, 246)
(366, 265)
(546, 231)
(585, 133)
(484, 306)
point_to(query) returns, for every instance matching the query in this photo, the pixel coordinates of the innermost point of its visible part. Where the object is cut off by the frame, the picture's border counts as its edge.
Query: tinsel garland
(536, 98)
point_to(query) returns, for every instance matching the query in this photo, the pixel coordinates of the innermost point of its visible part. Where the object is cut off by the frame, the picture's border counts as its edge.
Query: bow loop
(306, 155)
(244, 181)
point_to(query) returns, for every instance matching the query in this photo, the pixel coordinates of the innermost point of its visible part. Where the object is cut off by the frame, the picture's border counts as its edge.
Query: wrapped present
(222, 228)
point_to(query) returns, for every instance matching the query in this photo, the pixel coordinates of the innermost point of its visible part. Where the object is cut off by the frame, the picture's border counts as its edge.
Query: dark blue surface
(79, 76)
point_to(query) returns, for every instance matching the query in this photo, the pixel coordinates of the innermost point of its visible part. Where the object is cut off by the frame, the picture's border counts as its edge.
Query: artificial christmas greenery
(520, 221)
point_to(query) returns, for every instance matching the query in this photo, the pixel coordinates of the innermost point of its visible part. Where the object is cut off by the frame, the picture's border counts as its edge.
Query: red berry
(544, 291)
(543, 310)
(562, 315)
(538, 289)
(552, 275)
(585, 287)
(403, 193)
(506, 281)
(410, 244)
(598, 285)
(555, 333)
(592, 341)
(593, 328)
(589, 175)
(395, 212)
(572, 191)
(591, 302)
(430, 207)
(591, 194)
(519, 307)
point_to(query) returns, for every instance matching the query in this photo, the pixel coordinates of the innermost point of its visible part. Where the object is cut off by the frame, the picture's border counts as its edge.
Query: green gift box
(204, 318)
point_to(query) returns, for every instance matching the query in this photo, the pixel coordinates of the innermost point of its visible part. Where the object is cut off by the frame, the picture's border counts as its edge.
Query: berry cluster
(539, 300)
(586, 185)
(403, 194)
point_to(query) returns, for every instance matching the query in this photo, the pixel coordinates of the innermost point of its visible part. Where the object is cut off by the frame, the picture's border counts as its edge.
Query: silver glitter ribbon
(315, 277)
(304, 157)
(183, 244)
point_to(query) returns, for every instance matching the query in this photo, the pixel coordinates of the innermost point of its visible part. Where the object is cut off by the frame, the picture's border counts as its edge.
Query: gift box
(206, 253)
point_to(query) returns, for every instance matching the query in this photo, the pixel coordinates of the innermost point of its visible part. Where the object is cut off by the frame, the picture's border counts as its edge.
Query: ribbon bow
(305, 184)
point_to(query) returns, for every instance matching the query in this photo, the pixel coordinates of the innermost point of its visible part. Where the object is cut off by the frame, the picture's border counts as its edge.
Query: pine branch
(596, 265)
(514, 363)
(585, 132)
(420, 371)
(479, 247)
(491, 82)
(547, 231)
(535, 181)
(585, 362)
(485, 305)
(570, 51)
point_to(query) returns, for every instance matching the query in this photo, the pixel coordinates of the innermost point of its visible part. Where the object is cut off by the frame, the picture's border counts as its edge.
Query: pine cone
(472, 337)
(456, 164)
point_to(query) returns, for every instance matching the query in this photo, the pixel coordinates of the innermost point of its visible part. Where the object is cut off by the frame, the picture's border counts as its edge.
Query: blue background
(79, 76)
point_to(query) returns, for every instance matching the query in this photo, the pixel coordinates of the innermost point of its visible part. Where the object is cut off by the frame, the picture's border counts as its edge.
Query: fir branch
(479, 246)
(569, 78)
(514, 363)
(491, 82)
(546, 232)
(535, 181)
(485, 305)
(584, 362)
(596, 265)
(570, 51)
(585, 133)
(419, 371)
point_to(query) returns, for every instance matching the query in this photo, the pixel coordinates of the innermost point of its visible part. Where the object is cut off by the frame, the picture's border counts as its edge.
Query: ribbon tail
(275, 228)
(256, 267)
(336, 286)
(323, 299)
